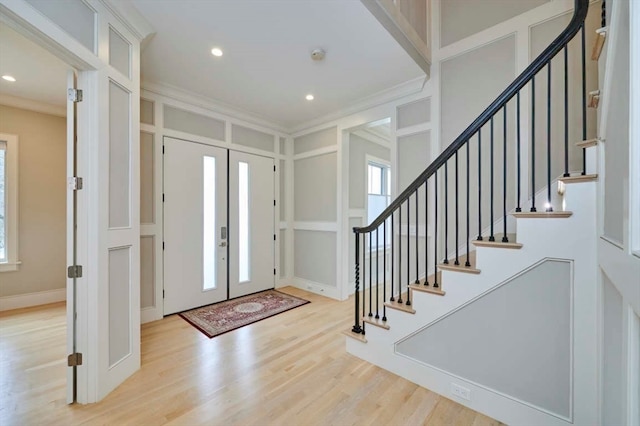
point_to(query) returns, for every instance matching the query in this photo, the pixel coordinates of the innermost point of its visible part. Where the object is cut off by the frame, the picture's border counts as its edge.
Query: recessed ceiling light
(216, 51)
(309, 97)
(9, 78)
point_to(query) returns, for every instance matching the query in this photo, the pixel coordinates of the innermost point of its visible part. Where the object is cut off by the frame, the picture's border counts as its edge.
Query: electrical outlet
(460, 392)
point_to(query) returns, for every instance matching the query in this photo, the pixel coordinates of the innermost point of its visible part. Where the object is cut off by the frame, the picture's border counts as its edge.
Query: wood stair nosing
(543, 215)
(356, 336)
(579, 178)
(598, 44)
(377, 322)
(400, 306)
(429, 288)
(511, 244)
(588, 143)
(451, 266)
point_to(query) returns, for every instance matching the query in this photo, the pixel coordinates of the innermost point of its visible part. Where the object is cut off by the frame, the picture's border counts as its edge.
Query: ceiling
(40, 76)
(266, 69)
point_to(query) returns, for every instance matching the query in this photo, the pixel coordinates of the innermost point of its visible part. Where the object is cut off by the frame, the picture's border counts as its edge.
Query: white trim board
(27, 300)
(315, 287)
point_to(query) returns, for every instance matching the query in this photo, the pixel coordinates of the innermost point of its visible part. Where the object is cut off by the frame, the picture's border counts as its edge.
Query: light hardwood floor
(291, 369)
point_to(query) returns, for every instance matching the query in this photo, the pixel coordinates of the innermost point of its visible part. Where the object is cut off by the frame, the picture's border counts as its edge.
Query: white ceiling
(266, 69)
(40, 76)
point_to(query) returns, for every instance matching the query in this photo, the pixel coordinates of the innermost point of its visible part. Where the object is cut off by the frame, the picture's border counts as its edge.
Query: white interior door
(195, 225)
(251, 224)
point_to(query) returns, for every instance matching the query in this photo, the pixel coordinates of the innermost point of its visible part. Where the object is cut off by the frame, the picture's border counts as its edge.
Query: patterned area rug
(222, 317)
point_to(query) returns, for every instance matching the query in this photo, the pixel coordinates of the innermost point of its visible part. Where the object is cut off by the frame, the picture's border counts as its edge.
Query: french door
(218, 224)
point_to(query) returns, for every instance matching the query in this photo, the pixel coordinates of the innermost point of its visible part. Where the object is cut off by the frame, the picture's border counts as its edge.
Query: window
(209, 253)
(379, 188)
(8, 202)
(243, 222)
(378, 194)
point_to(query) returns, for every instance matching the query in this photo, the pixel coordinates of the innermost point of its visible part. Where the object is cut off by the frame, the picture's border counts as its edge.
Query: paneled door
(195, 225)
(251, 224)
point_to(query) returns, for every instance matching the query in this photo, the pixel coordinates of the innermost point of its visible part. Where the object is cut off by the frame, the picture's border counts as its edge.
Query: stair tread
(598, 44)
(429, 288)
(511, 244)
(451, 266)
(377, 322)
(543, 215)
(587, 143)
(579, 178)
(356, 336)
(400, 306)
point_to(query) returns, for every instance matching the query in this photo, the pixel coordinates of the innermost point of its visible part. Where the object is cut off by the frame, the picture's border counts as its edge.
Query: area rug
(223, 317)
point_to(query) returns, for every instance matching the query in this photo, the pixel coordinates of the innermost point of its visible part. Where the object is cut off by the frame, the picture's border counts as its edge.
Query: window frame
(385, 165)
(11, 263)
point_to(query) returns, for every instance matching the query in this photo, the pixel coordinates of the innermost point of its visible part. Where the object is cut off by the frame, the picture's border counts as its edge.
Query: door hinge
(163, 293)
(74, 271)
(75, 183)
(274, 237)
(163, 245)
(163, 149)
(274, 202)
(274, 168)
(163, 197)
(274, 271)
(74, 95)
(74, 360)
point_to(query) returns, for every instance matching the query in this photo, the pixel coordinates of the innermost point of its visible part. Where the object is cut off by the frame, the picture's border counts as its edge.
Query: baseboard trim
(27, 300)
(315, 287)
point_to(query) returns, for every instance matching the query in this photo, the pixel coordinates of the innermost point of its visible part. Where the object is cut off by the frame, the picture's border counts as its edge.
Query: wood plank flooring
(291, 369)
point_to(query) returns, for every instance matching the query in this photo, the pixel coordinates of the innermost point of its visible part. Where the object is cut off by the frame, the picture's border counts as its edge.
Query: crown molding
(31, 105)
(401, 90)
(130, 17)
(196, 99)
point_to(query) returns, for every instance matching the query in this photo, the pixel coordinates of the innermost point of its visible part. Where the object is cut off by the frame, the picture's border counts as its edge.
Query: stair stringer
(573, 238)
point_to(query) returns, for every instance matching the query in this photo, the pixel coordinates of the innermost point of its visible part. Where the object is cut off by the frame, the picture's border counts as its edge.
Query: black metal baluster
(467, 263)
(518, 208)
(549, 208)
(566, 112)
(584, 102)
(435, 232)
(356, 328)
(370, 277)
(426, 233)
(533, 144)
(364, 278)
(417, 232)
(400, 254)
(393, 259)
(491, 236)
(457, 261)
(505, 239)
(446, 215)
(408, 249)
(377, 271)
(603, 14)
(479, 185)
(384, 270)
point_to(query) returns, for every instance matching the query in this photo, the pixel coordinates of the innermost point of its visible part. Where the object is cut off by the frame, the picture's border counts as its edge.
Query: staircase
(497, 308)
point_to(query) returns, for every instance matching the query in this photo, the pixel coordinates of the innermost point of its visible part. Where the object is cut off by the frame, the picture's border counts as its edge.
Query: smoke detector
(317, 54)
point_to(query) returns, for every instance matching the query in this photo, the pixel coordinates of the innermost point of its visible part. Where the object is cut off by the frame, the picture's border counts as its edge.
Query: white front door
(209, 257)
(251, 224)
(195, 225)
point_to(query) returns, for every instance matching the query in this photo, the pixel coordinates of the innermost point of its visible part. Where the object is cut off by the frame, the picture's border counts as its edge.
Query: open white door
(251, 224)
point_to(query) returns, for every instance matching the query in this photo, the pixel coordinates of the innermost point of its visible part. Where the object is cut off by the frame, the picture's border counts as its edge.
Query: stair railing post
(356, 327)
